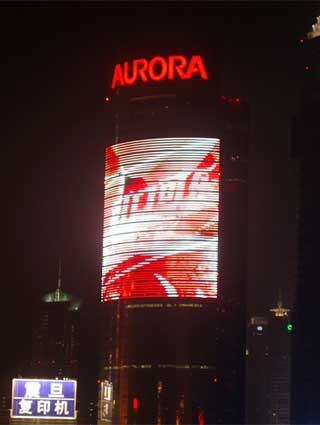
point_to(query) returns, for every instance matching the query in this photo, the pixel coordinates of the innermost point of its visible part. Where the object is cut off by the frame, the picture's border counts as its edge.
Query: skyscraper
(306, 130)
(56, 336)
(268, 367)
(174, 244)
(280, 364)
(257, 374)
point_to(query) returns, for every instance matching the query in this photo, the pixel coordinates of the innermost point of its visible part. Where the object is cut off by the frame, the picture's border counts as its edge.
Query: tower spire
(279, 302)
(58, 290)
(59, 274)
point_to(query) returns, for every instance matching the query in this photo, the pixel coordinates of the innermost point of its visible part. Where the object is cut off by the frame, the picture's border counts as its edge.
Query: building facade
(305, 137)
(55, 336)
(268, 366)
(174, 245)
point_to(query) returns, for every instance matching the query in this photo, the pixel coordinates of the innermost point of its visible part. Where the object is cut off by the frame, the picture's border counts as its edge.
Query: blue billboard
(44, 398)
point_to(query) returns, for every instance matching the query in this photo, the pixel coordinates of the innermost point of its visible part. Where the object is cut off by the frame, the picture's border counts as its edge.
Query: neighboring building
(268, 368)
(257, 374)
(280, 329)
(175, 244)
(64, 345)
(51, 347)
(56, 336)
(306, 149)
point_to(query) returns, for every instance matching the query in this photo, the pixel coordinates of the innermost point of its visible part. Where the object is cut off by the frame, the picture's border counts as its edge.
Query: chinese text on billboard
(43, 398)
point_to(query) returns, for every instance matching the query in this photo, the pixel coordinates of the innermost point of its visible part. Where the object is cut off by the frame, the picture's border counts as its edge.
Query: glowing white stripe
(195, 144)
(166, 253)
(170, 290)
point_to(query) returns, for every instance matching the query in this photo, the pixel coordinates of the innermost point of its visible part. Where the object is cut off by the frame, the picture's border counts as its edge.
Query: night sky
(54, 62)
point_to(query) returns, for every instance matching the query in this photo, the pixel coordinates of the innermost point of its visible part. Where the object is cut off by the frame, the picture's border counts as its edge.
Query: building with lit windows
(174, 244)
(268, 371)
(56, 336)
(306, 149)
(280, 361)
(257, 355)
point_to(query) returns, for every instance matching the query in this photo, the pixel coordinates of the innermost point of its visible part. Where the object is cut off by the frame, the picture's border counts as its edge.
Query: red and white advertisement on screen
(161, 219)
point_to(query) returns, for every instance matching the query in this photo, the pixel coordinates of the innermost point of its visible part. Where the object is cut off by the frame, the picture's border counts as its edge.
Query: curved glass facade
(161, 216)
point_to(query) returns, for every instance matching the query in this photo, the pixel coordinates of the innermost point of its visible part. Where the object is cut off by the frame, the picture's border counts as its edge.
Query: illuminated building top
(280, 311)
(315, 30)
(62, 297)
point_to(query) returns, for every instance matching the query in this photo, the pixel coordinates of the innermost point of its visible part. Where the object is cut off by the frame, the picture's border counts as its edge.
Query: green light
(289, 327)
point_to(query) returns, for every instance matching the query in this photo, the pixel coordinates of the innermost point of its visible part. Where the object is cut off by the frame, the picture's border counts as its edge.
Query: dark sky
(54, 61)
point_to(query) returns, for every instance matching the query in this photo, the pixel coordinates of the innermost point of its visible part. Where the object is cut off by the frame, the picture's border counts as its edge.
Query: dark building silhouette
(306, 149)
(56, 336)
(169, 356)
(268, 367)
(257, 388)
(62, 343)
(51, 346)
(280, 328)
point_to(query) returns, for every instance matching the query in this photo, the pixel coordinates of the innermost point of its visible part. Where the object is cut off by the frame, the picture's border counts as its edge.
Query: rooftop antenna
(58, 290)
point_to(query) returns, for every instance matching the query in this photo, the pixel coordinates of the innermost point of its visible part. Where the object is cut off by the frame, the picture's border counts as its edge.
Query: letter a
(195, 66)
(117, 76)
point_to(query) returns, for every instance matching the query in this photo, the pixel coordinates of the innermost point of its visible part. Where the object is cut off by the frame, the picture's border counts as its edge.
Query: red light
(301, 40)
(135, 403)
(215, 380)
(98, 381)
(107, 99)
(307, 68)
(177, 418)
(234, 100)
(223, 98)
(53, 361)
(201, 417)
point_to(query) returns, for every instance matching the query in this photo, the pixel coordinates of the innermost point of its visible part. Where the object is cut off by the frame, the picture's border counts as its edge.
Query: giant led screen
(161, 219)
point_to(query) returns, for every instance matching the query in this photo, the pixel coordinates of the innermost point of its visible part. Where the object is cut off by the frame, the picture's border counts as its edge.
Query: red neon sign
(157, 69)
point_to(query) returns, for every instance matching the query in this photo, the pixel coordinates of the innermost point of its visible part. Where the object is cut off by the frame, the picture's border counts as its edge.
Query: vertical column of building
(233, 254)
(268, 367)
(174, 347)
(306, 130)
